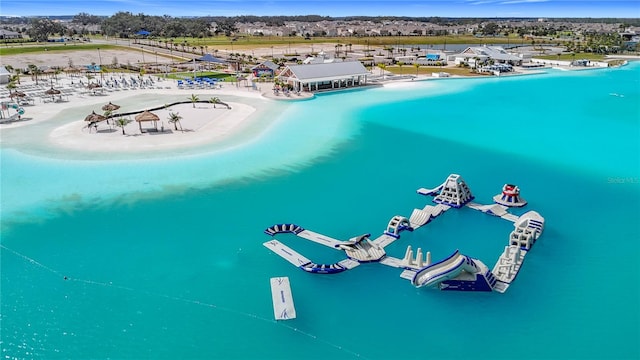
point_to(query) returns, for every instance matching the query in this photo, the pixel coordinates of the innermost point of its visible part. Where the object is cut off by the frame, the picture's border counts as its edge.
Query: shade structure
(147, 116)
(110, 107)
(94, 118)
(210, 58)
(94, 86)
(93, 68)
(52, 91)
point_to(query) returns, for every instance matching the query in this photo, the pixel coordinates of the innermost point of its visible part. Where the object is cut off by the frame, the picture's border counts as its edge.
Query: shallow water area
(164, 254)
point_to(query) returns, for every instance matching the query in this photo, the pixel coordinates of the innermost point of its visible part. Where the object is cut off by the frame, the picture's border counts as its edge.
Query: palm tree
(18, 72)
(107, 115)
(417, 67)
(34, 71)
(56, 72)
(382, 69)
(122, 122)
(400, 64)
(11, 86)
(216, 100)
(15, 77)
(476, 60)
(175, 118)
(194, 99)
(389, 49)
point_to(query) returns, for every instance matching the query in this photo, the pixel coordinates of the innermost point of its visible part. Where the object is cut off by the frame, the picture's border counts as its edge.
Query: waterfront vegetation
(426, 70)
(248, 42)
(199, 35)
(574, 56)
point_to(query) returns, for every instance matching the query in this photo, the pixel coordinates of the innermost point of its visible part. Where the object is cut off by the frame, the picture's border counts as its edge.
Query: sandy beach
(201, 123)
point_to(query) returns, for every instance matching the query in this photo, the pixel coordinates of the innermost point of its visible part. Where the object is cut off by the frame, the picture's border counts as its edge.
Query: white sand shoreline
(202, 124)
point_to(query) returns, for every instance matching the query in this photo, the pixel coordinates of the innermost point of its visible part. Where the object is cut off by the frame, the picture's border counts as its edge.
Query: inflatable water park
(457, 271)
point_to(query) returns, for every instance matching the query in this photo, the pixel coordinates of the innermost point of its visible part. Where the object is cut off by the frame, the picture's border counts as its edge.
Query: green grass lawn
(209, 74)
(245, 42)
(54, 47)
(570, 57)
(427, 70)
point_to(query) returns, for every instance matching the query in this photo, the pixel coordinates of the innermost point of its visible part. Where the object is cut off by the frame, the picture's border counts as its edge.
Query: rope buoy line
(185, 300)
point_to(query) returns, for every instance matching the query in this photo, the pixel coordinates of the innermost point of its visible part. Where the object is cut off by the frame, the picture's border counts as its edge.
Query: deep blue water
(164, 259)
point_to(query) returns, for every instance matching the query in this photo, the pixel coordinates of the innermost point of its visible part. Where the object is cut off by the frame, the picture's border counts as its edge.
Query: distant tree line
(86, 18)
(126, 24)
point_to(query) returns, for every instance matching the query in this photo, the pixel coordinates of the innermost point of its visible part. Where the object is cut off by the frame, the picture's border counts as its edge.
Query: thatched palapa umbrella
(53, 92)
(94, 86)
(147, 116)
(73, 71)
(17, 94)
(111, 107)
(94, 119)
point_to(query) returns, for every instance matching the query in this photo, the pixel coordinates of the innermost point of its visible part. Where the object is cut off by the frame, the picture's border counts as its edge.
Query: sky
(337, 8)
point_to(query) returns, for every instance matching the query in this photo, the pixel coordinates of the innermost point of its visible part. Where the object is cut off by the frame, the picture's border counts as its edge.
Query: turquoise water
(164, 257)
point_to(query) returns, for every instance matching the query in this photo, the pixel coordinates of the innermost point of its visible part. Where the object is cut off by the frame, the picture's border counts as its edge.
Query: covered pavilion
(147, 116)
(314, 77)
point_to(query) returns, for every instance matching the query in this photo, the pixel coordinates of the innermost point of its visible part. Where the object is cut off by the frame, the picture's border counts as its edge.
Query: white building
(8, 34)
(314, 77)
(5, 75)
(485, 54)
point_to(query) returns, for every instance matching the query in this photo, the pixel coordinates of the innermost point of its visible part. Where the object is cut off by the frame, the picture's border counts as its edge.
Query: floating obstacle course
(510, 196)
(456, 272)
(283, 308)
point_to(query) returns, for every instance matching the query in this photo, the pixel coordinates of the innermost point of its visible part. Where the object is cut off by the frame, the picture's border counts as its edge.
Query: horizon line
(338, 17)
